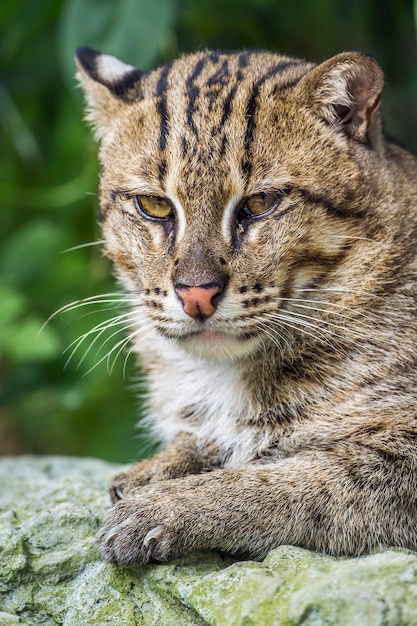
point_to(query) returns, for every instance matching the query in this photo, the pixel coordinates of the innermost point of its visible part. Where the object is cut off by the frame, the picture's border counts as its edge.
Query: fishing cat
(264, 231)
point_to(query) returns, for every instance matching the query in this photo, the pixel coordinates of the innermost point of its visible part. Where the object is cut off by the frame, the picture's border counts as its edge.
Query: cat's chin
(210, 344)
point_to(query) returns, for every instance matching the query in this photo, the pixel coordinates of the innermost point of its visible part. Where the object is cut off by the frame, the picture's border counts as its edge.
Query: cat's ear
(108, 84)
(346, 92)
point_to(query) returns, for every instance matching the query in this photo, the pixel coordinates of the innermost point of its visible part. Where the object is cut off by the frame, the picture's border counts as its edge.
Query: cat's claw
(107, 533)
(117, 493)
(115, 549)
(155, 534)
(102, 532)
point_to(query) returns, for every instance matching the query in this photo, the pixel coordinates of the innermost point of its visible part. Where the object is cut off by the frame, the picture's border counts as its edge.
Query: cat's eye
(261, 203)
(154, 207)
(258, 206)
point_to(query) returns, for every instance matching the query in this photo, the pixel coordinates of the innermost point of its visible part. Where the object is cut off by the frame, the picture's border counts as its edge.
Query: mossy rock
(51, 573)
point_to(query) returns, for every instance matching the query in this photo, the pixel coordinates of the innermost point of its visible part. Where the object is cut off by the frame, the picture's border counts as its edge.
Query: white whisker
(84, 245)
(269, 332)
(123, 342)
(325, 303)
(349, 292)
(358, 238)
(300, 326)
(107, 298)
(128, 339)
(321, 320)
(133, 348)
(100, 329)
(104, 325)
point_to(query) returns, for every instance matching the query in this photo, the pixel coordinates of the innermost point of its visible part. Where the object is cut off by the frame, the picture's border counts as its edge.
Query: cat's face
(228, 203)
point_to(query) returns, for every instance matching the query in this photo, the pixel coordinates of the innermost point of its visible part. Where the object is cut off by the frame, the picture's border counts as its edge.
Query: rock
(51, 573)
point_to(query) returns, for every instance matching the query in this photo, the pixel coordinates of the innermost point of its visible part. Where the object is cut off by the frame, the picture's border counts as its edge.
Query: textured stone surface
(50, 571)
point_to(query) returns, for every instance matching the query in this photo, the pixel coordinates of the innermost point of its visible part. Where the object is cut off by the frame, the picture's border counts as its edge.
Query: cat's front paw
(159, 468)
(121, 485)
(127, 483)
(142, 530)
(122, 543)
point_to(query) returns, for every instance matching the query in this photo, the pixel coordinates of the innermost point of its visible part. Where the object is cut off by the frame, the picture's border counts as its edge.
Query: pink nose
(199, 302)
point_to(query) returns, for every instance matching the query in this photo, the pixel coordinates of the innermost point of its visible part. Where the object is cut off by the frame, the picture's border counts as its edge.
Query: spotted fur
(288, 403)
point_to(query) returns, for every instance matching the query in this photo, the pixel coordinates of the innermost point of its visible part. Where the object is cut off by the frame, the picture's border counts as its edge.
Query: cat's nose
(200, 301)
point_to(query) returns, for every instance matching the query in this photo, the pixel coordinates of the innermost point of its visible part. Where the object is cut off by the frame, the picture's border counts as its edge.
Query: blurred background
(84, 405)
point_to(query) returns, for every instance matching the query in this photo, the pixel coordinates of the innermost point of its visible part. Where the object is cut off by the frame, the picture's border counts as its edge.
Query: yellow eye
(154, 207)
(261, 203)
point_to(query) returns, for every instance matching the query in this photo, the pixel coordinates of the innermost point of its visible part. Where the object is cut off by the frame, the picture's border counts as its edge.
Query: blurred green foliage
(48, 182)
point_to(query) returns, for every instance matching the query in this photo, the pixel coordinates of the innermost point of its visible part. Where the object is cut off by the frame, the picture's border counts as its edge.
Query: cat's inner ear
(108, 85)
(346, 91)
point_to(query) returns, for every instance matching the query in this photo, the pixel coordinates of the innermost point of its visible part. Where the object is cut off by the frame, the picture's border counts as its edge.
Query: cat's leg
(342, 500)
(179, 458)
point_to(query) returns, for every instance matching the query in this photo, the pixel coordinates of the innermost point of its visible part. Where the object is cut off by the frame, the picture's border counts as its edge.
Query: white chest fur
(205, 397)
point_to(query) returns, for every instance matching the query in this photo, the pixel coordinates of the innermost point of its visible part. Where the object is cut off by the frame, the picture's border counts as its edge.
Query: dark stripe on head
(242, 62)
(244, 57)
(162, 167)
(223, 145)
(280, 87)
(227, 105)
(251, 110)
(221, 76)
(193, 92)
(214, 56)
(162, 108)
(250, 129)
(217, 82)
(184, 145)
(227, 109)
(330, 207)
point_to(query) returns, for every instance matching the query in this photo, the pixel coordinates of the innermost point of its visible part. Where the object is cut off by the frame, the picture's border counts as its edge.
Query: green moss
(51, 574)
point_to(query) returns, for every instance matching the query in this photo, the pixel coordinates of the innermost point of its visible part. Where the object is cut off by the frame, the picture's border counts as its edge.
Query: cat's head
(233, 189)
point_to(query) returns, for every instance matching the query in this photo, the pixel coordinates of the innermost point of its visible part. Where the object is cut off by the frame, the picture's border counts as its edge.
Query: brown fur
(289, 414)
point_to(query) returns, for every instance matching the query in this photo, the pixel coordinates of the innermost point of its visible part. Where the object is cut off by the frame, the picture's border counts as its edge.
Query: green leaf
(136, 31)
(30, 251)
(19, 332)
(26, 343)
(13, 123)
(12, 305)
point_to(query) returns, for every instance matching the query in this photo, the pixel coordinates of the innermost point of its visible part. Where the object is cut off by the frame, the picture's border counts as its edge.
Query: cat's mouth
(217, 344)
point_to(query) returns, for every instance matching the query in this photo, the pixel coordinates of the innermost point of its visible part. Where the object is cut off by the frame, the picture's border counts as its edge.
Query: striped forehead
(206, 106)
(197, 94)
